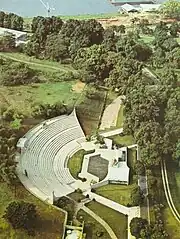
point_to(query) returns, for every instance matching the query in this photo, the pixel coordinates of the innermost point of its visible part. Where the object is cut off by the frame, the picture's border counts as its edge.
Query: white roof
(149, 7)
(108, 143)
(127, 7)
(120, 173)
(14, 32)
(75, 234)
(21, 142)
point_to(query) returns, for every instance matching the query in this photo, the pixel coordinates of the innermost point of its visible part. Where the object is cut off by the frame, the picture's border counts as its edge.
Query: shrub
(21, 215)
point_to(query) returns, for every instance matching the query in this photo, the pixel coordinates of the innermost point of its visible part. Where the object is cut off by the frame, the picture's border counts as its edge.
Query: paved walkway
(131, 212)
(101, 221)
(142, 182)
(111, 132)
(110, 114)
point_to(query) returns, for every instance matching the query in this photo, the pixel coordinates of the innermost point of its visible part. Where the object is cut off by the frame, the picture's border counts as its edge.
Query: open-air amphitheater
(44, 152)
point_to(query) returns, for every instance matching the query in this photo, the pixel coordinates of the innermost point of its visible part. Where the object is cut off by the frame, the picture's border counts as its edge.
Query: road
(168, 192)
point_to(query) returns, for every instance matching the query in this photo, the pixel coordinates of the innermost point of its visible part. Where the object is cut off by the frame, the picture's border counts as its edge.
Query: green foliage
(47, 111)
(137, 196)
(139, 168)
(174, 28)
(7, 42)
(136, 225)
(11, 21)
(171, 9)
(21, 215)
(16, 73)
(67, 205)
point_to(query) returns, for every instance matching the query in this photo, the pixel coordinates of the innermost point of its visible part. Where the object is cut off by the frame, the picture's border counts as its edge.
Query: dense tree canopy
(11, 21)
(171, 9)
(22, 215)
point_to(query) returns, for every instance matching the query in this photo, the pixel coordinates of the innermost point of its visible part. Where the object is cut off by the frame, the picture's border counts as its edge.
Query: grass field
(171, 224)
(23, 97)
(173, 171)
(118, 193)
(116, 220)
(120, 118)
(146, 39)
(123, 140)
(75, 163)
(43, 65)
(51, 219)
(92, 226)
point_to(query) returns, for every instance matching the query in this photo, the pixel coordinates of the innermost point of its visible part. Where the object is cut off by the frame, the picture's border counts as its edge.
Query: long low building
(21, 37)
(129, 8)
(132, 2)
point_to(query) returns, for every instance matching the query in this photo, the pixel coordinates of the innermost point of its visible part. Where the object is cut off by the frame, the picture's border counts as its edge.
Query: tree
(142, 52)
(174, 29)
(137, 196)
(177, 155)
(17, 73)
(171, 9)
(56, 48)
(47, 111)
(139, 168)
(93, 61)
(137, 224)
(21, 215)
(7, 42)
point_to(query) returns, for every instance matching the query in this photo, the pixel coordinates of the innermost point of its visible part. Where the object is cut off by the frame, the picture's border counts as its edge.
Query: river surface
(29, 8)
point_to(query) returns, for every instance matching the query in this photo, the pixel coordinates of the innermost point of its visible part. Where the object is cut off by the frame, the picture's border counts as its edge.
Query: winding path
(168, 192)
(101, 221)
(43, 65)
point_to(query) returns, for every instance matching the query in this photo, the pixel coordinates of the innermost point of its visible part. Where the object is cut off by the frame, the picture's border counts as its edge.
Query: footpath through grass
(92, 227)
(116, 220)
(50, 223)
(37, 63)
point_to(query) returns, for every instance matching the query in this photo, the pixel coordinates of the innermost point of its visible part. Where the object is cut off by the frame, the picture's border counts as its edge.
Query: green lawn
(92, 226)
(171, 224)
(75, 163)
(116, 220)
(118, 193)
(146, 39)
(123, 140)
(23, 97)
(173, 171)
(51, 219)
(120, 118)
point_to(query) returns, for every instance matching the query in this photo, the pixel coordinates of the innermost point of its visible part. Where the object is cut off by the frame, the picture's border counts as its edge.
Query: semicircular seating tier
(45, 150)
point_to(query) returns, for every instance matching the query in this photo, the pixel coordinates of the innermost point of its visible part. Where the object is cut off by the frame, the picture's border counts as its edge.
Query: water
(29, 8)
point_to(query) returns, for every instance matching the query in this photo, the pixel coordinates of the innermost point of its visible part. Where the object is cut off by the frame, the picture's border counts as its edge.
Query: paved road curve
(167, 191)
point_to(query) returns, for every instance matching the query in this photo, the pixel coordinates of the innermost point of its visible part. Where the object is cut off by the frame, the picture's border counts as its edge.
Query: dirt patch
(78, 87)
